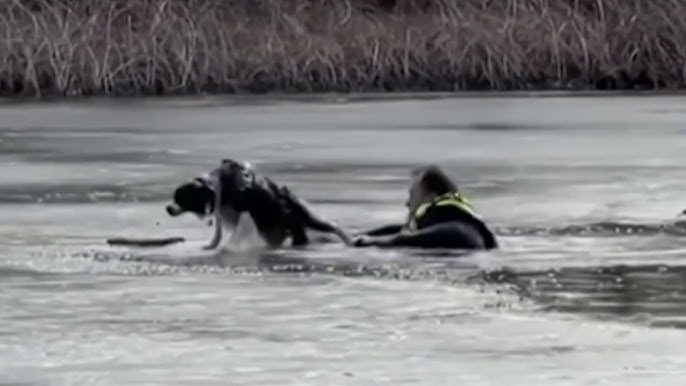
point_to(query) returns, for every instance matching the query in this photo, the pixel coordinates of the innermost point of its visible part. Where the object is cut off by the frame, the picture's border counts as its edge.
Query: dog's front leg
(217, 237)
(218, 221)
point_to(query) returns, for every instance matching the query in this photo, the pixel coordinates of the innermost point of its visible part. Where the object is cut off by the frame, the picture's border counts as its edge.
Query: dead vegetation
(123, 47)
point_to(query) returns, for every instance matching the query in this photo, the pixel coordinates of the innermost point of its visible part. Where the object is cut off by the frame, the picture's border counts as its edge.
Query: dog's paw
(361, 241)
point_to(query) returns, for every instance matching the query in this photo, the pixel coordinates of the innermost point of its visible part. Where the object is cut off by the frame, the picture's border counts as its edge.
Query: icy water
(588, 287)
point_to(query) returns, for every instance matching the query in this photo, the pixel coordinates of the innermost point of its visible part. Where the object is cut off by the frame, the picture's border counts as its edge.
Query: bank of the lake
(172, 47)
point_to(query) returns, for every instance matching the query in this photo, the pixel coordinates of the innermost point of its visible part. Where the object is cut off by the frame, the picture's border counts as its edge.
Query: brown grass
(125, 47)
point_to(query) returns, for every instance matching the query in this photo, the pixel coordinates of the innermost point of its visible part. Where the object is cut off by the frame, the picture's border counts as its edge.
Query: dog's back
(275, 210)
(269, 203)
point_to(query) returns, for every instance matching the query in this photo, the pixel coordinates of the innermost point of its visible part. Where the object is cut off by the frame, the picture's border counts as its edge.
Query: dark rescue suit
(446, 208)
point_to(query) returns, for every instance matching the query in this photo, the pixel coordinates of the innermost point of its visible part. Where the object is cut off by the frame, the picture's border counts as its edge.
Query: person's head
(427, 182)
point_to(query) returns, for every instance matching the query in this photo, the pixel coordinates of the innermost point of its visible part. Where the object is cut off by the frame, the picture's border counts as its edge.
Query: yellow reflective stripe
(454, 199)
(460, 204)
(421, 209)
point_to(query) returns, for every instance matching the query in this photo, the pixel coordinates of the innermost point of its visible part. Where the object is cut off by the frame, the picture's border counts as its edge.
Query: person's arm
(384, 230)
(444, 235)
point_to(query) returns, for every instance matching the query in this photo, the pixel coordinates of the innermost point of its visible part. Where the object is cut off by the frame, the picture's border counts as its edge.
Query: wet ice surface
(588, 287)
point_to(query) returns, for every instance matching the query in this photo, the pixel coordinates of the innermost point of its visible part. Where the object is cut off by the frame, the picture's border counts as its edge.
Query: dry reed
(124, 47)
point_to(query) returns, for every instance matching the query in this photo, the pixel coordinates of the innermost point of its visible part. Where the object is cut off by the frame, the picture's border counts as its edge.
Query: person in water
(438, 217)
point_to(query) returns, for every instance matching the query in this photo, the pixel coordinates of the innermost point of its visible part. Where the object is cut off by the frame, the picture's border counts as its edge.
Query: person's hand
(362, 241)
(347, 238)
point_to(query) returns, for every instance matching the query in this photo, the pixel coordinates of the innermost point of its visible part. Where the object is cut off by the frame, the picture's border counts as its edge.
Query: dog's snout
(173, 210)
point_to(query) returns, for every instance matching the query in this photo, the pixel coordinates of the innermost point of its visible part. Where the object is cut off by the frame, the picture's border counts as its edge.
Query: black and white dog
(235, 188)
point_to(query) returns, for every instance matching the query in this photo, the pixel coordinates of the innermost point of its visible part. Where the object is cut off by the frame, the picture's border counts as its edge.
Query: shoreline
(174, 48)
(276, 97)
(277, 94)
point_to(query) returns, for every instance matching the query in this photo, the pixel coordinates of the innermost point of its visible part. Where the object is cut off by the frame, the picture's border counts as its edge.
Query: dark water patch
(401, 168)
(56, 282)
(80, 193)
(7, 273)
(485, 126)
(597, 229)
(348, 201)
(135, 157)
(62, 132)
(652, 293)
(351, 167)
(81, 145)
(663, 111)
(80, 152)
(482, 126)
(547, 350)
(199, 329)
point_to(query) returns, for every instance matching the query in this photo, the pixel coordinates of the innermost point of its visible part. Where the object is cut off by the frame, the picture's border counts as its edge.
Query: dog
(234, 188)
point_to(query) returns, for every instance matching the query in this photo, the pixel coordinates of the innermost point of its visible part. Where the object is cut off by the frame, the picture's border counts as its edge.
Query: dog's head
(198, 197)
(195, 197)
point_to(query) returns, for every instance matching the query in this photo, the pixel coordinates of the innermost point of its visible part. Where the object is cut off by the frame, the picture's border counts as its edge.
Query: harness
(448, 199)
(250, 180)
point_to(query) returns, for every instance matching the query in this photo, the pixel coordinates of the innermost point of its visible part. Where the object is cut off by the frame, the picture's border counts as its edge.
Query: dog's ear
(174, 210)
